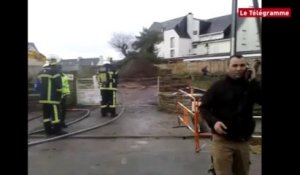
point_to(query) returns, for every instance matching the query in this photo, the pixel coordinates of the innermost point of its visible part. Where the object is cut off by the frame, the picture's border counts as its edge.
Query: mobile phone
(248, 74)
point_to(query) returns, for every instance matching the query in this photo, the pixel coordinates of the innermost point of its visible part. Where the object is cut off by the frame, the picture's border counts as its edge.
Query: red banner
(265, 12)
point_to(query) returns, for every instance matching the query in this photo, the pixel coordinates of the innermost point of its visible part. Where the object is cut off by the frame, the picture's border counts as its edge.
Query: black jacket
(231, 101)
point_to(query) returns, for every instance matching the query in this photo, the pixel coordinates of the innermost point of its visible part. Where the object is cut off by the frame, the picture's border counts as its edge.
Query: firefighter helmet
(108, 60)
(46, 64)
(53, 59)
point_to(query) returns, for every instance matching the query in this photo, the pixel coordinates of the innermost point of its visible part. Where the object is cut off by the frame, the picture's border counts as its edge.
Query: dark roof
(178, 24)
(88, 61)
(171, 24)
(69, 62)
(156, 26)
(32, 45)
(80, 61)
(219, 24)
(181, 28)
(204, 26)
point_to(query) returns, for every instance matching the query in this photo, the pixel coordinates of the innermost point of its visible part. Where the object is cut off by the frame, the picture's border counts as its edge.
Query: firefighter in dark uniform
(50, 97)
(107, 78)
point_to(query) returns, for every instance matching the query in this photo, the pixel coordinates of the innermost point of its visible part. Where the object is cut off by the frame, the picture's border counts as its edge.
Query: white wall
(182, 46)
(211, 36)
(247, 36)
(219, 46)
(185, 47)
(87, 94)
(33, 71)
(166, 48)
(35, 62)
(34, 67)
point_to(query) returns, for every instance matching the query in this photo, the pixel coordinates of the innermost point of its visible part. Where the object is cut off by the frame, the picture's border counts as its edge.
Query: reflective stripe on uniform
(112, 106)
(64, 95)
(48, 102)
(49, 90)
(103, 106)
(56, 75)
(110, 78)
(55, 119)
(46, 120)
(48, 76)
(114, 98)
(110, 74)
(108, 89)
(45, 76)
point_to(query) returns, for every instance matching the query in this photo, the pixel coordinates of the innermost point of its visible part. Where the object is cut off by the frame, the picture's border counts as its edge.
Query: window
(244, 35)
(172, 53)
(243, 44)
(172, 44)
(195, 32)
(194, 46)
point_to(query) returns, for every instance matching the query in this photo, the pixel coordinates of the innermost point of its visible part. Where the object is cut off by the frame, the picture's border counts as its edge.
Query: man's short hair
(234, 56)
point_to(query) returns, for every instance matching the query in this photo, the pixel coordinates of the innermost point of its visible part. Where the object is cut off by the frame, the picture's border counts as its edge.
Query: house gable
(31, 47)
(177, 24)
(213, 35)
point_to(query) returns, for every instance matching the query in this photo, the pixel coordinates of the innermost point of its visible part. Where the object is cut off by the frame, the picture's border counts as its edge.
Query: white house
(189, 37)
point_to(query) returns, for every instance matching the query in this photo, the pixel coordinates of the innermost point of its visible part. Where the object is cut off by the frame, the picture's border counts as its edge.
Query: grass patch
(255, 149)
(204, 82)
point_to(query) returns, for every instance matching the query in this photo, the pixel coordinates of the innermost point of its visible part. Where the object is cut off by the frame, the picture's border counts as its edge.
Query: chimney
(190, 24)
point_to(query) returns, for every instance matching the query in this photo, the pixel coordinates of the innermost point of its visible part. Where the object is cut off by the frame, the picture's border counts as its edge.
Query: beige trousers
(229, 157)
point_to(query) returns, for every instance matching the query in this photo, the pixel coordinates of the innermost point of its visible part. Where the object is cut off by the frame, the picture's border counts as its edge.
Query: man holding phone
(227, 107)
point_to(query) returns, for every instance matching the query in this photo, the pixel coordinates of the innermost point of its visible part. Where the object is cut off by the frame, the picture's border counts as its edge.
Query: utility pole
(258, 22)
(233, 27)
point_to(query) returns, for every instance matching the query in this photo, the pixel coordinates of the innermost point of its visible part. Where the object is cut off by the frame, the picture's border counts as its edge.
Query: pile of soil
(137, 68)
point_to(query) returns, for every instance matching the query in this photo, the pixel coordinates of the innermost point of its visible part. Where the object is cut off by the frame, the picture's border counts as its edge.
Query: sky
(83, 28)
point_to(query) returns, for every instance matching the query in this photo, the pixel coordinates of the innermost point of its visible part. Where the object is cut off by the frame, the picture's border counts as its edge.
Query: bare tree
(122, 42)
